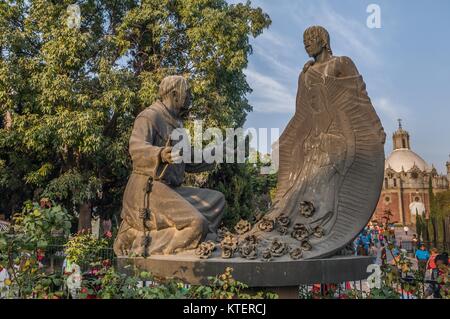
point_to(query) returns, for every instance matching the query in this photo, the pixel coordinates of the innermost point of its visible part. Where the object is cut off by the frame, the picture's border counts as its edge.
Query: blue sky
(405, 64)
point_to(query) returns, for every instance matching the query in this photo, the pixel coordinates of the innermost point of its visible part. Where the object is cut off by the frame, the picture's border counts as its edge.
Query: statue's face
(179, 100)
(313, 45)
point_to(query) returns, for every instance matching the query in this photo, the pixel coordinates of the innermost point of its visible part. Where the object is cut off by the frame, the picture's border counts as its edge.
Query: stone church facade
(406, 182)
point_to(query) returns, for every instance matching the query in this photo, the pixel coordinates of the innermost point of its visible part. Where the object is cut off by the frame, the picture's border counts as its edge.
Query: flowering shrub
(224, 286)
(84, 249)
(22, 250)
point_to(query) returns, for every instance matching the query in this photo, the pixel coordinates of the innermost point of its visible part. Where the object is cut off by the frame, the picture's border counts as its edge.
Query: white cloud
(275, 60)
(270, 96)
(389, 110)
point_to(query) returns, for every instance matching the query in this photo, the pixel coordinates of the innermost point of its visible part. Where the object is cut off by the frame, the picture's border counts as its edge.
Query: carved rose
(242, 227)
(283, 220)
(300, 232)
(205, 249)
(229, 246)
(278, 248)
(283, 230)
(222, 232)
(211, 245)
(296, 253)
(248, 250)
(267, 255)
(266, 225)
(307, 209)
(319, 232)
(252, 239)
(306, 246)
(227, 253)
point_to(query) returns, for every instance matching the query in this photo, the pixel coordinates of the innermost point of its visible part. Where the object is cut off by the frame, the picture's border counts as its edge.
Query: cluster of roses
(92, 280)
(247, 247)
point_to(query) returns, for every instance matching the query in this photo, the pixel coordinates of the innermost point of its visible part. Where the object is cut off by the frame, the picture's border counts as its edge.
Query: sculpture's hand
(170, 157)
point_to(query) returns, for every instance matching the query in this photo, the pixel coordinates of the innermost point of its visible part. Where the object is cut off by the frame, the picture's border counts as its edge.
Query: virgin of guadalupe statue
(331, 157)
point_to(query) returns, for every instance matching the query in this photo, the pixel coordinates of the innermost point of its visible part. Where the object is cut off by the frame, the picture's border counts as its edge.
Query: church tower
(401, 138)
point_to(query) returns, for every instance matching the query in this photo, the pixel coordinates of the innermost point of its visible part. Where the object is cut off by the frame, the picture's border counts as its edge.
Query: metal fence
(54, 258)
(411, 246)
(406, 287)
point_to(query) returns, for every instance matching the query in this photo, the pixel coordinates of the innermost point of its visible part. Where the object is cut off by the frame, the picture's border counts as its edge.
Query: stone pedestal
(282, 276)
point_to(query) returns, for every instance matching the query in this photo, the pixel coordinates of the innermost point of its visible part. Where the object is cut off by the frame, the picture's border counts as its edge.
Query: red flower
(108, 234)
(45, 203)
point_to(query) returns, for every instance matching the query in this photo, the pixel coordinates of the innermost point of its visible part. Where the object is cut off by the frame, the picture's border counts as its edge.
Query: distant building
(406, 182)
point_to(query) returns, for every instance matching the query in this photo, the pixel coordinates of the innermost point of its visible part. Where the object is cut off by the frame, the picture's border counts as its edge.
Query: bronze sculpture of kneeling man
(159, 216)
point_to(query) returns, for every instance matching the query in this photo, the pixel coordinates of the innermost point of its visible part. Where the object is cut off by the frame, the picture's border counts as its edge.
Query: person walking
(441, 263)
(431, 264)
(406, 229)
(422, 256)
(365, 241)
(383, 255)
(4, 282)
(373, 251)
(375, 236)
(415, 242)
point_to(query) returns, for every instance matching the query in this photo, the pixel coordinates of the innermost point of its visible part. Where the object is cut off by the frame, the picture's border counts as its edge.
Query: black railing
(406, 287)
(411, 246)
(54, 258)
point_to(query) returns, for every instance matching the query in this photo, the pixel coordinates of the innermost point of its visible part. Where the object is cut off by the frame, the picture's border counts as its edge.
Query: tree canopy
(71, 94)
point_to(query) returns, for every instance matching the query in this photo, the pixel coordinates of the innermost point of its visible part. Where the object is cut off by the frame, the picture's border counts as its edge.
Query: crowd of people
(371, 239)
(380, 241)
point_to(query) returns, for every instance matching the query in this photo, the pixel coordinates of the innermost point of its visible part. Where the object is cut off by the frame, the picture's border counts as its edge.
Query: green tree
(73, 93)
(433, 210)
(248, 193)
(443, 203)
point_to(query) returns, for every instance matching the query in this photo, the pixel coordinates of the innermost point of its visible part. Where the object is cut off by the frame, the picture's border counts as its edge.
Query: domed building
(406, 182)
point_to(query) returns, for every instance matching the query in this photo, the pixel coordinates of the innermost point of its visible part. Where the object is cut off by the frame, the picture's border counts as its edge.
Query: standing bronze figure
(331, 156)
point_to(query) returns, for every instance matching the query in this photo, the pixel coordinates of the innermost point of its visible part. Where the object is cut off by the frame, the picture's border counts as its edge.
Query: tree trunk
(426, 231)
(84, 220)
(419, 227)
(444, 230)
(435, 235)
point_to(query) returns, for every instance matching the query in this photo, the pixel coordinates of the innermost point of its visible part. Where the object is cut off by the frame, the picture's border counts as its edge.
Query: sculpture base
(282, 276)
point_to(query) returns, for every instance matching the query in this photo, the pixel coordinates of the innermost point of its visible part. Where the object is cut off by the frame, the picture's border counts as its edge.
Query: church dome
(405, 159)
(402, 157)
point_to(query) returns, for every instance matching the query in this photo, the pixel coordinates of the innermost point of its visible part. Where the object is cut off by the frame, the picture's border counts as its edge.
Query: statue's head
(174, 91)
(316, 39)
